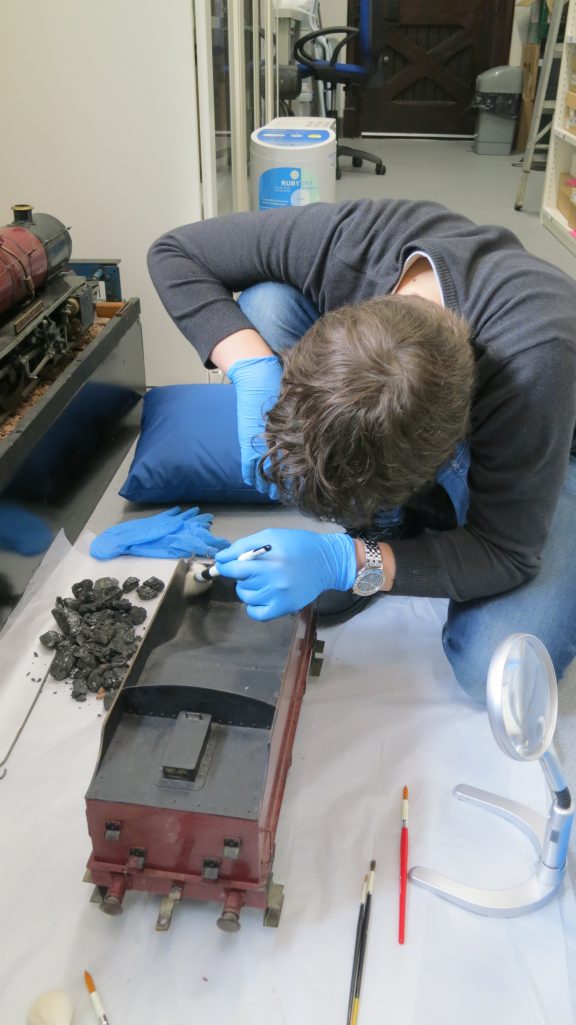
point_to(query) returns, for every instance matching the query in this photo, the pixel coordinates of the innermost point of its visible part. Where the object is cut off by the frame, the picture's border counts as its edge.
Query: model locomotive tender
(194, 756)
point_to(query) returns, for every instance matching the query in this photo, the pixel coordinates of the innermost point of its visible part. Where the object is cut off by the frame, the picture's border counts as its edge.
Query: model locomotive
(44, 305)
(32, 250)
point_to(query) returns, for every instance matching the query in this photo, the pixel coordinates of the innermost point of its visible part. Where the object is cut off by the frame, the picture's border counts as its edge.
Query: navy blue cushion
(188, 449)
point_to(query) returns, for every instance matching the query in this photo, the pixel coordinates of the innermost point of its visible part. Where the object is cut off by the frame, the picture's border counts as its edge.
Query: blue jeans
(544, 606)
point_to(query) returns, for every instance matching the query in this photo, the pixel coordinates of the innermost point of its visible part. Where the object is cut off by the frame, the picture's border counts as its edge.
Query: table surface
(385, 712)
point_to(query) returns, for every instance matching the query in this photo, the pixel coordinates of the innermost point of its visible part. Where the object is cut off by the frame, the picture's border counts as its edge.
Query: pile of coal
(98, 634)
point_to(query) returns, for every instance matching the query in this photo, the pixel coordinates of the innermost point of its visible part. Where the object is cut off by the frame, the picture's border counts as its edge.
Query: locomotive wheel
(275, 894)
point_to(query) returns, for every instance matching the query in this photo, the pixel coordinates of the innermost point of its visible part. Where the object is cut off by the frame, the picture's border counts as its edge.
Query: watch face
(368, 581)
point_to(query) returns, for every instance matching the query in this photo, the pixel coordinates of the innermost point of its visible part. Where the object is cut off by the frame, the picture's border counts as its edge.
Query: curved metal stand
(550, 839)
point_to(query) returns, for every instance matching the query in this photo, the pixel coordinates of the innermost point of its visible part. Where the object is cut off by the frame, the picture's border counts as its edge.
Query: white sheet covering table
(385, 712)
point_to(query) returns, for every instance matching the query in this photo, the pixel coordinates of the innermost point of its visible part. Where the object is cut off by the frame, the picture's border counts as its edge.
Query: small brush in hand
(199, 577)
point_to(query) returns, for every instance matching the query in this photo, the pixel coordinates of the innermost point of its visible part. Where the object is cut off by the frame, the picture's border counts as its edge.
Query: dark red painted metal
(176, 842)
(23, 266)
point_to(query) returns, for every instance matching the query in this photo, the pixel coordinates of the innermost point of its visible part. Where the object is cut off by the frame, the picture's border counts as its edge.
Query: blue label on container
(287, 186)
(293, 136)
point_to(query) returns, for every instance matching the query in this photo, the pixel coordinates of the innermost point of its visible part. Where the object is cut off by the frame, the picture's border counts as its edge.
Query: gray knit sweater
(521, 312)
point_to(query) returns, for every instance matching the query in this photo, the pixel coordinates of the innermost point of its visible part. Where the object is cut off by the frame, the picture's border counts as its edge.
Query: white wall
(334, 12)
(98, 128)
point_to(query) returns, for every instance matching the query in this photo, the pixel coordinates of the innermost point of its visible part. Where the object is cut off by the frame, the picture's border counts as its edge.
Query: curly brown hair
(374, 399)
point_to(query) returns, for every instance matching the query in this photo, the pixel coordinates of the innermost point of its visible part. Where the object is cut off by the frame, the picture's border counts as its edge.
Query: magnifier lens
(526, 705)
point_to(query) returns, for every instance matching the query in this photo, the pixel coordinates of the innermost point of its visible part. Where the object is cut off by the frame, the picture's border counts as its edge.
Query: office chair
(332, 74)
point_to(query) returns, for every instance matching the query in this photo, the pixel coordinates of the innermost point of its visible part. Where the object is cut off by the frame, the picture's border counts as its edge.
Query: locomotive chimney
(22, 213)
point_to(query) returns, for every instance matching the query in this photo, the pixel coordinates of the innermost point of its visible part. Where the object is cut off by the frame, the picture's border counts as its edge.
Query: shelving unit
(562, 149)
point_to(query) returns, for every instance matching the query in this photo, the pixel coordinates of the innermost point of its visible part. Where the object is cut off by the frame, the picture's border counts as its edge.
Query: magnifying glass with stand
(522, 700)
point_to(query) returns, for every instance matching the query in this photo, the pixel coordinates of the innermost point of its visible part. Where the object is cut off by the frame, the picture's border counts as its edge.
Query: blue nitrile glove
(168, 535)
(190, 539)
(257, 382)
(21, 531)
(299, 566)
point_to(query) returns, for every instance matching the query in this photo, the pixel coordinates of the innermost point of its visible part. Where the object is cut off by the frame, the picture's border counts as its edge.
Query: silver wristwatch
(370, 578)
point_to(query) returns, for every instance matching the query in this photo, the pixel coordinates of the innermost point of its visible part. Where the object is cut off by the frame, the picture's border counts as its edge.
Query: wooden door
(433, 50)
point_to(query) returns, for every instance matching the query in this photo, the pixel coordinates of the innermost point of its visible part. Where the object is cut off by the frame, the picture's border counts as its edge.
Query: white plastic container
(292, 163)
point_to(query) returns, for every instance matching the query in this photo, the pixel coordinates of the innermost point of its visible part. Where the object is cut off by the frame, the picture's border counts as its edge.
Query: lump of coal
(109, 680)
(94, 681)
(109, 698)
(82, 589)
(154, 584)
(84, 657)
(151, 588)
(106, 583)
(51, 639)
(130, 584)
(68, 620)
(62, 664)
(123, 640)
(79, 690)
(93, 620)
(137, 614)
(116, 658)
(80, 673)
(120, 605)
(103, 633)
(100, 597)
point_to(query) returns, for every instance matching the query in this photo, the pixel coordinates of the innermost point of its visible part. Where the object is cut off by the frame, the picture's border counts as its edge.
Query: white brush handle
(98, 1009)
(245, 557)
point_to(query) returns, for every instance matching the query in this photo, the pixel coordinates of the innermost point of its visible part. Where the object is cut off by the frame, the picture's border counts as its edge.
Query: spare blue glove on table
(299, 566)
(168, 535)
(257, 382)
